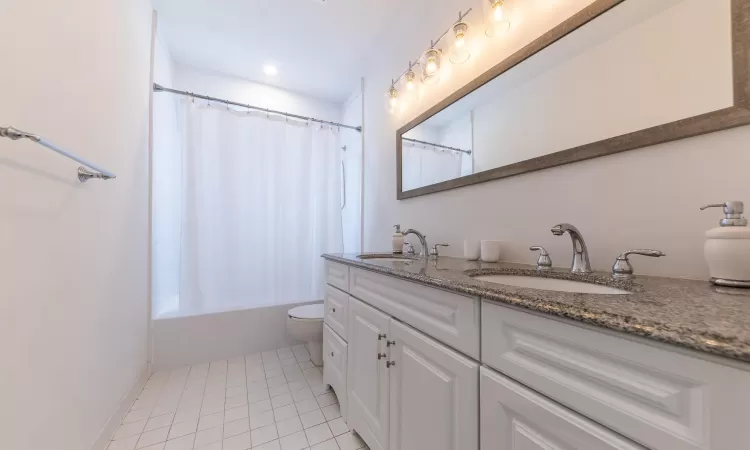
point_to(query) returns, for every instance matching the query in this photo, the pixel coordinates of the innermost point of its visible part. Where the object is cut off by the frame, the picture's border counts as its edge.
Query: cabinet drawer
(450, 318)
(336, 310)
(334, 365)
(337, 275)
(516, 418)
(659, 398)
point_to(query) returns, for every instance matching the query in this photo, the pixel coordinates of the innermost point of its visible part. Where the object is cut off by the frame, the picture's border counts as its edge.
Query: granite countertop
(688, 313)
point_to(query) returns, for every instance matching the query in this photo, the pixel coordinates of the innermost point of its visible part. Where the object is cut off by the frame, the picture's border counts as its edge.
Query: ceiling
(319, 46)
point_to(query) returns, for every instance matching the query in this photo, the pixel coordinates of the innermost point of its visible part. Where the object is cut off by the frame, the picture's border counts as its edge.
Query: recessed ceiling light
(270, 70)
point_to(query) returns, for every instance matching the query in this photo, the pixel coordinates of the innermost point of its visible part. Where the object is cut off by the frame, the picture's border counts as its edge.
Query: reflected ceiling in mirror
(619, 75)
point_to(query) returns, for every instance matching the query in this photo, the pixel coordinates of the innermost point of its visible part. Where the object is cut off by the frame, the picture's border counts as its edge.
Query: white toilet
(305, 323)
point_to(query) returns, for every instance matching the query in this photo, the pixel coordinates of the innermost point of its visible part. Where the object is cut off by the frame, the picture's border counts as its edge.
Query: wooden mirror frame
(721, 119)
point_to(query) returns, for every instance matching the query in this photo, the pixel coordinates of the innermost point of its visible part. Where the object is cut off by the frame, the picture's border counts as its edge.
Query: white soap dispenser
(728, 247)
(398, 240)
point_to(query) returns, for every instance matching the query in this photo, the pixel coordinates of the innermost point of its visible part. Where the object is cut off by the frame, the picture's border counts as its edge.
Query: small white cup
(490, 251)
(472, 249)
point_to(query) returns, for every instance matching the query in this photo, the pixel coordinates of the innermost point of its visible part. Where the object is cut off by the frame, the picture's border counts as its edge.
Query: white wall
(642, 198)
(352, 157)
(73, 257)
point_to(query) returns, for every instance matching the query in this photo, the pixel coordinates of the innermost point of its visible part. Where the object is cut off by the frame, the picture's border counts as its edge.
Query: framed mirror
(618, 75)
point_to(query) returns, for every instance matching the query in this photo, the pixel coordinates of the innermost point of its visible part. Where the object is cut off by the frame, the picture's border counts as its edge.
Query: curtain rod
(432, 144)
(160, 88)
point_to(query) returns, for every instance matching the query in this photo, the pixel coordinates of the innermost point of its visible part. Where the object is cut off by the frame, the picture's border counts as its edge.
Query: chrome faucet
(580, 253)
(422, 241)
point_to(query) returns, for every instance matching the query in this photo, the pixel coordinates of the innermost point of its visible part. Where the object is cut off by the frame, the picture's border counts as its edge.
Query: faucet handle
(623, 270)
(434, 251)
(410, 249)
(544, 262)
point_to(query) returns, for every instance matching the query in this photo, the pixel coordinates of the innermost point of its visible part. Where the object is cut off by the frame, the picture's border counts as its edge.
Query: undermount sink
(550, 284)
(385, 258)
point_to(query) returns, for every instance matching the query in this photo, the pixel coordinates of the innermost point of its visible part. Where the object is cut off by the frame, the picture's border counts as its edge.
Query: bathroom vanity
(422, 354)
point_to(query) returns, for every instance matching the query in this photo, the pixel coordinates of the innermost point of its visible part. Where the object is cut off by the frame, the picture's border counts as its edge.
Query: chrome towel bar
(84, 174)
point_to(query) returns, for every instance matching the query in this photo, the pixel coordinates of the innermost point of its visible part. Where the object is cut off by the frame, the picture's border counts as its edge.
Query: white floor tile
(129, 429)
(296, 441)
(261, 406)
(238, 390)
(273, 445)
(289, 426)
(236, 427)
(257, 395)
(240, 412)
(297, 385)
(285, 412)
(263, 435)
(289, 362)
(159, 422)
(282, 400)
(306, 365)
(302, 394)
(306, 406)
(255, 385)
(135, 416)
(279, 390)
(239, 442)
(276, 381)
(209, 436)
(156, 446)
(211, 421)
(214, 446)
(350, 441)
(312, 418)
(326, 399)
(124, 444)
(327, 445)
(263, 419)
(318, 433)
(320, 389)
(331, 411)
(181, 443)
(338, 426)
(234, 402)
(153, 437)
(183, 428)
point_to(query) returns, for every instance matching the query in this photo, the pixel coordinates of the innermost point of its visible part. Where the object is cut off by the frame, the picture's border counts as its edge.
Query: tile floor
(266, 401)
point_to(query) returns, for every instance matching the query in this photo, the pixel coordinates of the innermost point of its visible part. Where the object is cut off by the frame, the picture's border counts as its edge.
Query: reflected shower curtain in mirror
(260, 201)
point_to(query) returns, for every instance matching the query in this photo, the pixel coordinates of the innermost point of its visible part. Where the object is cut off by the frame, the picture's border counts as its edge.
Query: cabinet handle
(382, 355)
(381, 337)
(331, 353)
(388, 364)
(390, 343)
(333, 309)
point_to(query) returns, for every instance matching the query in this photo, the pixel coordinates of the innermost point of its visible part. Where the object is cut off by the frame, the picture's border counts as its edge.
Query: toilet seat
(307, 312)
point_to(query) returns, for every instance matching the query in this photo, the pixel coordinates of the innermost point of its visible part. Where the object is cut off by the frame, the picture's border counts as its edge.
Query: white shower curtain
(260, 202)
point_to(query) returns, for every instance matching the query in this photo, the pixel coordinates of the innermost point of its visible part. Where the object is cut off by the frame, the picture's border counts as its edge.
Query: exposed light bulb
(460, 40)
(392, 103)
(431, 65)
(497, 11)
(410, 80)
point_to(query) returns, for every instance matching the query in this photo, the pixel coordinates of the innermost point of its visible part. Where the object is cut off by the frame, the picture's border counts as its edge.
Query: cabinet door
(367, 375)
(434, 394)
(514, 417)
(334, 366)
(336, 305)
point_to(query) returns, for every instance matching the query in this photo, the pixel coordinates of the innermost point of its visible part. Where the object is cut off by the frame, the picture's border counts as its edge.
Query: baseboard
(127, 401)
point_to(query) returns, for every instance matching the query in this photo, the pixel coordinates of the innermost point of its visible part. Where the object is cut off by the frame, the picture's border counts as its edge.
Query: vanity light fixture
(431, 64)
(496, 16)
(392, 100)
(460, 50)
(410, 77)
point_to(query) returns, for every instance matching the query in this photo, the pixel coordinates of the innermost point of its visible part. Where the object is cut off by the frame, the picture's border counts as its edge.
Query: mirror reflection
(618, 74)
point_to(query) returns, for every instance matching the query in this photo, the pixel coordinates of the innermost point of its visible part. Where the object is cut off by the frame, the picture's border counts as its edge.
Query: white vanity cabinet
(368, 374)
(406, 390)
(517, 418)
(335, 360)
(413, 376)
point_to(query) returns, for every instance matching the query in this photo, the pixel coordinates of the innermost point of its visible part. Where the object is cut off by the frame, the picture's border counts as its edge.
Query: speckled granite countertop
(687, 313)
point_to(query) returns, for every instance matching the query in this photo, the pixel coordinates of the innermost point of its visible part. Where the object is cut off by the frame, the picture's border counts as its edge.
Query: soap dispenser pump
(727, 248)
(398, 240)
